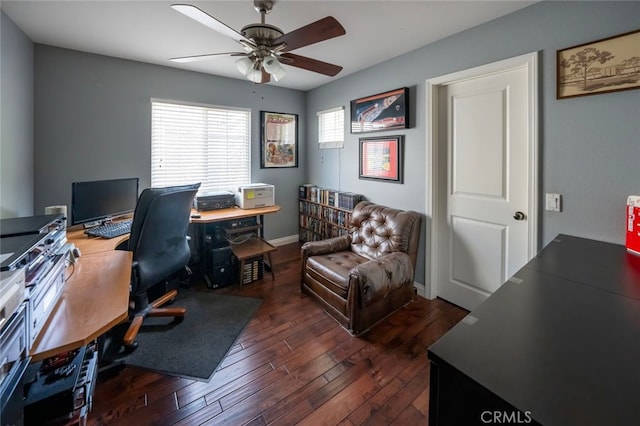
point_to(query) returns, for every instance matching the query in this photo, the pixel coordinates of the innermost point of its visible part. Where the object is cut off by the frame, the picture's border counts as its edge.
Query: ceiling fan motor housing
(261, 34)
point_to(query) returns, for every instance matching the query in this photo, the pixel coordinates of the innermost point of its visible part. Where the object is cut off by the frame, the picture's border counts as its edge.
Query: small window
(200, 143)
(331, 128)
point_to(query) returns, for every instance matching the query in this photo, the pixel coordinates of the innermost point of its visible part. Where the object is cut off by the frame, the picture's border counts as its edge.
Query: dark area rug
(194, 347)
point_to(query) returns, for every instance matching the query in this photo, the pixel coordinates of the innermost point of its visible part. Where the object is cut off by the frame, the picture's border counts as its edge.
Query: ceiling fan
(267, 47)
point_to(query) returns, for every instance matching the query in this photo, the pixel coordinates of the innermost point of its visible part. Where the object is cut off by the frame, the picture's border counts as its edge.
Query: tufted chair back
(378, 230)
(365, 276)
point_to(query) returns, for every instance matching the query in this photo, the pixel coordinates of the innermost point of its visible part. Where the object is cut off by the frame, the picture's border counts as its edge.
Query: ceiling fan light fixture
(255, 76)
(271, 64)
(244, 65)
(277, 75)
(273, 67)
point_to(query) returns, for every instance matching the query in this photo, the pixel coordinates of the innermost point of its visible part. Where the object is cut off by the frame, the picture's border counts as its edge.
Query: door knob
(519, 216)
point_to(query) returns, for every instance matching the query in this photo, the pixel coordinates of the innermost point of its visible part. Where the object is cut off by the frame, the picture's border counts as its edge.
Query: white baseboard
(285, 240)
(420, 289)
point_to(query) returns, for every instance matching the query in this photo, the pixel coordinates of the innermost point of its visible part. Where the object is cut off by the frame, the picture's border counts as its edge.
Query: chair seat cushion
(332, 270)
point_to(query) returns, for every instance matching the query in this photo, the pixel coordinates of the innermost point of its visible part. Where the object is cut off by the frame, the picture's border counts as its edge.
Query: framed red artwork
(382, 158)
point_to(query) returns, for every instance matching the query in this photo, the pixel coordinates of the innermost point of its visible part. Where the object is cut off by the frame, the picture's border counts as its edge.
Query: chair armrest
(331, 245)
(135, 278)
(124, 246)
(378, 278)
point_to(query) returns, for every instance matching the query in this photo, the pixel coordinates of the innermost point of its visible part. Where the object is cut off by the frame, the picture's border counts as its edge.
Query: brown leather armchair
(362, 277)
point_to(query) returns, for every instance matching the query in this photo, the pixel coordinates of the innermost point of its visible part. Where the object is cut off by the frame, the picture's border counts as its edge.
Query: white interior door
(485, 184)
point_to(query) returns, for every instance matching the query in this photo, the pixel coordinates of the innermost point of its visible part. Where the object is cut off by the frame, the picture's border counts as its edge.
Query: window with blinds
(200, 143)
(331, 128)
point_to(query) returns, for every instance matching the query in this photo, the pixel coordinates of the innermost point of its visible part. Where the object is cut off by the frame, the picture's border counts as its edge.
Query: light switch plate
(553, 203)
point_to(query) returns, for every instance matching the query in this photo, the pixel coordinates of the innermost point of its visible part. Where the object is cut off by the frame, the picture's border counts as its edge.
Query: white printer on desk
(255, 195)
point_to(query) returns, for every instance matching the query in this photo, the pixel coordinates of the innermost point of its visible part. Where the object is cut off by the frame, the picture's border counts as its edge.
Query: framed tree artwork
(278, 140)
(608, 65)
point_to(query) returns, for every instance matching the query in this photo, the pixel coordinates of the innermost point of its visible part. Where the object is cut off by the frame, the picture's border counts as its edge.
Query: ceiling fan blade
(195, 58)
(209, 21)
(321, 30)
(266, 77)
(310, 64)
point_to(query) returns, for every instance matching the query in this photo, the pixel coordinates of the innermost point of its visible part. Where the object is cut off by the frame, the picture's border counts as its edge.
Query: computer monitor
(102, 200)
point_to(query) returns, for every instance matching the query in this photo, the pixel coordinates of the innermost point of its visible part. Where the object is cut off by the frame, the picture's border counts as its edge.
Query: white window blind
(200, 143)
(331, 128)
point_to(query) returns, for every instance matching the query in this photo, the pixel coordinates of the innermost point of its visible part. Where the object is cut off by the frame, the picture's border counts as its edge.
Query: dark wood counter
(558, 344)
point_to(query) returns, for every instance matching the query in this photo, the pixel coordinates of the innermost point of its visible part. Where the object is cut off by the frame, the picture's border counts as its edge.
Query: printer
(214, 200)
(255, 195)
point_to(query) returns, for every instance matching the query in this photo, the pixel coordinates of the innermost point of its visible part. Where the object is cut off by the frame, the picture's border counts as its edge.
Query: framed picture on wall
(278, 140)
(608, 65)
(382, 158)
(384, 111)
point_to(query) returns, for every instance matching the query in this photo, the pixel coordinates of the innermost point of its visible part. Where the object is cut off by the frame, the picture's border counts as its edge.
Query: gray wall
(16, 121)
(589, 146)
(89, 105)
(93, 121)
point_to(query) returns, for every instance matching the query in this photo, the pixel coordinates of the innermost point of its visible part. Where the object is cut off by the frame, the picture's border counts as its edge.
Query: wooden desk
(94, 299)
(247, 251)
(232, 213)
(89, 245)
(96, 296)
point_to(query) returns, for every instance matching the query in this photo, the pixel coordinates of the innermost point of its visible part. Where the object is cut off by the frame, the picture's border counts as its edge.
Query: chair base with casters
(153, 309)
(363, 277)
(159, 243)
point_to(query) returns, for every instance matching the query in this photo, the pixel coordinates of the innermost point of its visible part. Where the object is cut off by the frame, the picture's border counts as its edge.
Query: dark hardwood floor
(293, 364)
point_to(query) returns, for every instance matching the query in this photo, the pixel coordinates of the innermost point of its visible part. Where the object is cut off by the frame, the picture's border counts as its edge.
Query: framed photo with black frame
(278, 140)
(382, 159)
(384, 111)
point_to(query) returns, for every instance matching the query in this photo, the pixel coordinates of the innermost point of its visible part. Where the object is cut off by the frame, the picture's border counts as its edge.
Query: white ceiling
(151, 31)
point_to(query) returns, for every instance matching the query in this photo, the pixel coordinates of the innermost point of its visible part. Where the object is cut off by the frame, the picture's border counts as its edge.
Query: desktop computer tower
(220, 267)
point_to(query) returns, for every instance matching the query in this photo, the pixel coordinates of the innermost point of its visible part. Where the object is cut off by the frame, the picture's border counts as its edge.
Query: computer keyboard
(110, 230)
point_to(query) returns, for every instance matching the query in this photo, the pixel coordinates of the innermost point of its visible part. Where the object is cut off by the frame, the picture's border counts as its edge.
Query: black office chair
(160, 249)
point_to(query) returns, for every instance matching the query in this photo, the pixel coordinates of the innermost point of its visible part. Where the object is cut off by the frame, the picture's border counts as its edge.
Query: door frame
(436, 192)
